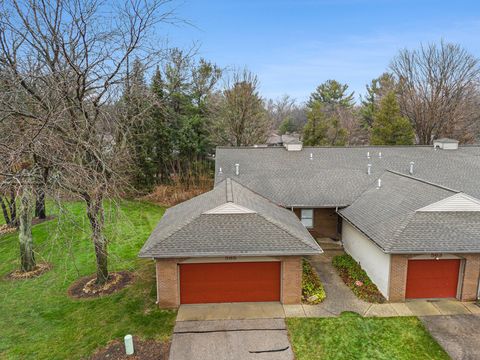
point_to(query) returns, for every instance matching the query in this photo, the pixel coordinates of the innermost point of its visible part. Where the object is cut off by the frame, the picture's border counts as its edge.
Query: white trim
(434, 256)
(229, 259)
(457, 202)
(230, 208)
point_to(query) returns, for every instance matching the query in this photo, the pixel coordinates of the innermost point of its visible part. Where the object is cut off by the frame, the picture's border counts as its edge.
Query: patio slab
(230, 311)
(381, 310)
(422, 308)
(449, 307)
(472, 307)
(294, 310)
(402, 309)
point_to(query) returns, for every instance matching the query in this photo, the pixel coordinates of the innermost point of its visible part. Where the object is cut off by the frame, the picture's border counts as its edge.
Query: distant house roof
(409, 215)
(230, 220)
(336, 176)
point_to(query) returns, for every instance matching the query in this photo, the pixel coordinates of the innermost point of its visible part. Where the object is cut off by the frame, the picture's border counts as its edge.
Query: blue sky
(295, 45)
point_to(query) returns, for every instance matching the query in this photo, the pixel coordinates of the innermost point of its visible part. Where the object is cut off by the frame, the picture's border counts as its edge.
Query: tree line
(89, 110)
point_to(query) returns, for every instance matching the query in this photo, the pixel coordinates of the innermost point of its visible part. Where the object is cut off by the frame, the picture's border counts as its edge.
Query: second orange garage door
(229, 282)
(432, 278)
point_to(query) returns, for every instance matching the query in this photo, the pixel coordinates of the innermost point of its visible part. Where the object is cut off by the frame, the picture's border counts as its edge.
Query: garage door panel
(229, 282)
(432, 278)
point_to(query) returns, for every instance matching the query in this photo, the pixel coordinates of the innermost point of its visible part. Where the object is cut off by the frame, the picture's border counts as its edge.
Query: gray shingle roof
(388, 216)
(186, 230)
(336, 176)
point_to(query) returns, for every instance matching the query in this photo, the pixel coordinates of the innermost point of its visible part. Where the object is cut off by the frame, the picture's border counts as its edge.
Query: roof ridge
(422, 180)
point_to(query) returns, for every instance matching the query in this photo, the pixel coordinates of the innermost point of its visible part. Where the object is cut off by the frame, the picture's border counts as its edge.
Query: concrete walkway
(264, 339)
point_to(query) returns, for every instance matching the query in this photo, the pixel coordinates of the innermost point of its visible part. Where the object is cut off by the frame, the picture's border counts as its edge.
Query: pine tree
(331, 94)
(389, 127)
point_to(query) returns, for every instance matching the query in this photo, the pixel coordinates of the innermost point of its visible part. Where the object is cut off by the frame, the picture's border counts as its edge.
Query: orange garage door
(432, 278)
(229, 282)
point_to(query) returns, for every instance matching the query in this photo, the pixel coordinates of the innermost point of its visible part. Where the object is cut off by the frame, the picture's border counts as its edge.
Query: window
(307, 217)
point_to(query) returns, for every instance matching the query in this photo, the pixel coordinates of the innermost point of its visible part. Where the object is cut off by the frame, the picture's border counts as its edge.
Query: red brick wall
(469, 282)
(292, 280)
(167, 283)
(325, 222)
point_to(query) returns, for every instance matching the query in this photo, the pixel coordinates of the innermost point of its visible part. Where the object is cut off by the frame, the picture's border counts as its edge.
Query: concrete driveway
(458, 334)
(259, 339)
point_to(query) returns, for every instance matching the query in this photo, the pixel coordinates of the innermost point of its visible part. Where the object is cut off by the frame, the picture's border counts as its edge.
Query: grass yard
(352, 337)
(39, 321)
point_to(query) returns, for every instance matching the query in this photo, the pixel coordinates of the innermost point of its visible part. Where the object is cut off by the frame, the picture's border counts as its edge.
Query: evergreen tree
(287, 126)
(389, 127)
(322, 129)
(377, 89)
(332, 94)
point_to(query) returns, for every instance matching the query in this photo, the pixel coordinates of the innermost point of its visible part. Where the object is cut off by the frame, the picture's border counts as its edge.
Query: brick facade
(168, 281)
(325, 222)
(468, 282)
(291, 280)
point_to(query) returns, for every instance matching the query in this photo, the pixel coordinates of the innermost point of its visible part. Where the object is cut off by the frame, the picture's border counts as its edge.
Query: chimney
(237, 169)
(379, 184)
(411, 167)
(294, 145)
(445, 144)
(369, 169)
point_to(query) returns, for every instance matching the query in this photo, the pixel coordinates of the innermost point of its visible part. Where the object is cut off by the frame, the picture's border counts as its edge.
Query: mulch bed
(144, 350)
(85, 287)
(7, 229)
(36, 221)
(368, 292)
(22, 275)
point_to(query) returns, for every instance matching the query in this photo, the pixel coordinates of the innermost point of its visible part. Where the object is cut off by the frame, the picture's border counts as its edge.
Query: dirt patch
(169, 195)
(36, 221)
(40, 269)
(86, 287)
(144, 350)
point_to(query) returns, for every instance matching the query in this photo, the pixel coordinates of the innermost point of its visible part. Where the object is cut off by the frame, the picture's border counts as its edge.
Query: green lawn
(352, 337)
(39, 321)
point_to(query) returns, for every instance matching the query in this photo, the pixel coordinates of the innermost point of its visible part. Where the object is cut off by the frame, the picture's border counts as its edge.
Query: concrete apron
(231, 311)
(275, 310)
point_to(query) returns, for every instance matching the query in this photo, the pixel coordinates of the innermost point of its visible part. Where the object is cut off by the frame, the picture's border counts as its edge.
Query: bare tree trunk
(27, 258)
(6, 215)
(13, 208)
(95, 215)
(40, 204)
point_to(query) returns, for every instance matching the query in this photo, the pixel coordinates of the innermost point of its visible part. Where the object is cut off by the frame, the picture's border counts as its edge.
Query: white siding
(373, 260)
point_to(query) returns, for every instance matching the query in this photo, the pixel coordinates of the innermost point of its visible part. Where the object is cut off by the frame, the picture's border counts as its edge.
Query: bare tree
(437, 88)
(65, 64)
(240, 115)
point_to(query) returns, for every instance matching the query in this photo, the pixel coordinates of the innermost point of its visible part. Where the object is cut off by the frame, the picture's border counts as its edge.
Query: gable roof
(336, 176)
(458, 202)
(230, 220)
(394, 217)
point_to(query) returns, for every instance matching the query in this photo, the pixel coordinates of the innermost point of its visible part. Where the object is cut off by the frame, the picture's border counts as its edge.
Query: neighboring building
(416, 233)
(281, 140)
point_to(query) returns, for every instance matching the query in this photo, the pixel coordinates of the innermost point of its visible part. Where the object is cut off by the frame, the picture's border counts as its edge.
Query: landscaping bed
(351, 336)
(312, 288)
(144, 350)
(357, 279)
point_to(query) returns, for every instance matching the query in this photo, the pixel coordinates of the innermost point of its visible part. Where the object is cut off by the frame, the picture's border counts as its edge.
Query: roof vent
(220, 172)
(237, 169)
(411, 167)
(446, 144)
(369, 169)
(311, 156)
(368, 154)
(380, 155)
(294, 145)
(379, 183)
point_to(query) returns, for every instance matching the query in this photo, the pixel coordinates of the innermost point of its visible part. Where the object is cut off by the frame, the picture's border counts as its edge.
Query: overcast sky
(295, 45)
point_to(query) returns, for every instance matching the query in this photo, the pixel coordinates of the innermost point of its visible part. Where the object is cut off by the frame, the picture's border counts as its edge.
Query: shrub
(357, 279)
(311, 285)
